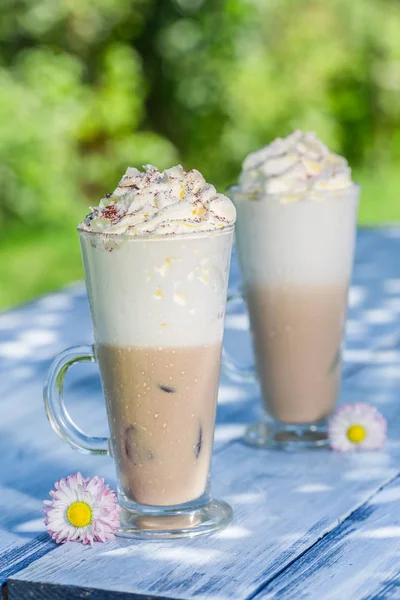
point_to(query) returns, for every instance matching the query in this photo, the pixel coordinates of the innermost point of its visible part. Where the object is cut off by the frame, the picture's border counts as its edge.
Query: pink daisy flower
(81, 510)
(357, 427)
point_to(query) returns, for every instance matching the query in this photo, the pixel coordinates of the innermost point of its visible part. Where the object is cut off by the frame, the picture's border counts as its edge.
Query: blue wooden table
(314, 525)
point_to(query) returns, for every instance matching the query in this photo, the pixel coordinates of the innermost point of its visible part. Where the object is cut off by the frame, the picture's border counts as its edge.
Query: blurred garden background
(88, 87)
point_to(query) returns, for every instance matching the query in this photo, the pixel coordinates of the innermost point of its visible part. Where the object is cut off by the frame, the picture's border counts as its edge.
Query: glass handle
(56, 411)
(230, 367)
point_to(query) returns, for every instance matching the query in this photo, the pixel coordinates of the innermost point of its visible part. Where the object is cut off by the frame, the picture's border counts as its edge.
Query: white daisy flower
(357, 427)
(81, 510)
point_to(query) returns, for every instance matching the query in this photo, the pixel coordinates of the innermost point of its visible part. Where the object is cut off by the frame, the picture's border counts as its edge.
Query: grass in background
(36, 262)
(380, 201)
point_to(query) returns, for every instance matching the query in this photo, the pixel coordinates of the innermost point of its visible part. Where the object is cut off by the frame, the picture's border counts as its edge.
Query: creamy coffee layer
(158, 292)
(307, 242)
(297, 332)
(161, 405)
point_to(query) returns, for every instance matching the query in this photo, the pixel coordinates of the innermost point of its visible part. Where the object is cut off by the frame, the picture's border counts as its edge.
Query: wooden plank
(22, 537)
(33, 457)
(283, 503)
(22, 590)
(357, 560)
(375, 293)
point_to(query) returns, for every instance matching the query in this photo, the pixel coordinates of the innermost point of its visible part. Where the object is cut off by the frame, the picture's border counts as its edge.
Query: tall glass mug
(158, 306)
(296, 260)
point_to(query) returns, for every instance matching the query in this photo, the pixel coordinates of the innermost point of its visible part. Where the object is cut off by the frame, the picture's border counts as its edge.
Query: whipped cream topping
(169, 202)
(293, 165)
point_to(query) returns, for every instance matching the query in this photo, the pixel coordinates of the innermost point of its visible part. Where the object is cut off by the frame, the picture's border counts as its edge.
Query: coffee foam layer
(157, 292)
(304, 242)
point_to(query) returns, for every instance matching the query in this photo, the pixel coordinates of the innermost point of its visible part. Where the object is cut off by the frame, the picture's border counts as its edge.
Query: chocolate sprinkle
(111, 212)
(198, 446)
(166, 388)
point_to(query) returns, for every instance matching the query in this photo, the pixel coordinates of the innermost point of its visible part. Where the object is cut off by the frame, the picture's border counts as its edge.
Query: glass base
(282, 436)
(164, 523)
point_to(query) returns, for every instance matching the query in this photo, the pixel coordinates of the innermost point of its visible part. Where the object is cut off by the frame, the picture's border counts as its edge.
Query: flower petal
(98, 495)
(359, 414)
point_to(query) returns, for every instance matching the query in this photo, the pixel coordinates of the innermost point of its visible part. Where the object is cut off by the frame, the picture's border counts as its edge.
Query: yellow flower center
(79, 514)
(356, 433)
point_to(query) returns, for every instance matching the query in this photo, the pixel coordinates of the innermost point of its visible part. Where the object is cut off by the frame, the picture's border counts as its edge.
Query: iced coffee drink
(156, 255)
(297, 208)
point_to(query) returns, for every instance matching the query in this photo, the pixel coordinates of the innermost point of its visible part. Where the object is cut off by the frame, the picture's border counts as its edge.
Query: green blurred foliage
(91, 86)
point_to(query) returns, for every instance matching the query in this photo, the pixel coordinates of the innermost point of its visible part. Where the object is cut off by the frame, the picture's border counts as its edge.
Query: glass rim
(158, 236)
(352, 188)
